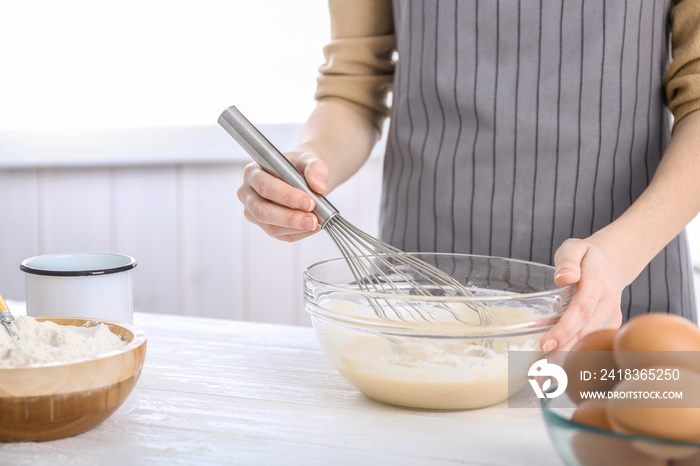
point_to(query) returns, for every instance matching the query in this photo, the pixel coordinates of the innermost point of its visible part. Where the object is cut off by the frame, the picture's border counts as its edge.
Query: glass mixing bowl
(582, 445)
(435, 352)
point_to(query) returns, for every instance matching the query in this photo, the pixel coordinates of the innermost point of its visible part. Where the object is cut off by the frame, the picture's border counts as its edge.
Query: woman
(526, 129)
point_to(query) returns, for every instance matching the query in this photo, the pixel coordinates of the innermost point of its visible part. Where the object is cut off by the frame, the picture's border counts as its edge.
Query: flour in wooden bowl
(42, 342)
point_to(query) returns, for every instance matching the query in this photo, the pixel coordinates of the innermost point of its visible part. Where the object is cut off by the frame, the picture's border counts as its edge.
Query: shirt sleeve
(683, 75)
(359, 65)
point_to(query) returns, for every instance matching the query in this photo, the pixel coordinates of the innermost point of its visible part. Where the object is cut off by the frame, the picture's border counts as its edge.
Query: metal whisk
(376, 266)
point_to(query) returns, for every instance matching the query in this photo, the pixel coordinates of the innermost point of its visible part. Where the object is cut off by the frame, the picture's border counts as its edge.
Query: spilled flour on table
(48, 342)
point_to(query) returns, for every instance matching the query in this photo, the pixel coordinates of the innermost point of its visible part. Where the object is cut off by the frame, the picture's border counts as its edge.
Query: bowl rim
(558, 290)
(550, 413)
(59, 264)
(398, 327)
(138, 340)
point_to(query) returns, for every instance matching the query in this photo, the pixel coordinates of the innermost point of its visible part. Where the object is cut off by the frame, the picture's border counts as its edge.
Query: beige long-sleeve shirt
(359, 63)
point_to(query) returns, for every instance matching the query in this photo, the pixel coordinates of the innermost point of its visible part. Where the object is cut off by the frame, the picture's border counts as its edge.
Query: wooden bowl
(57, 400)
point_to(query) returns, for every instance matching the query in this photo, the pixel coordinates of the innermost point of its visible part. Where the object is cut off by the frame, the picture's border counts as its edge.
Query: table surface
(229, 392)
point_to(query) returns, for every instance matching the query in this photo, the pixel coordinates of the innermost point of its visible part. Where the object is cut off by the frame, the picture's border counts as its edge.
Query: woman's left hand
(597, 295)
(603, 264)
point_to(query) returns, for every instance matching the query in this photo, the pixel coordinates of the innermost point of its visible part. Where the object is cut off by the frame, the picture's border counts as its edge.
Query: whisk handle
(270, 158)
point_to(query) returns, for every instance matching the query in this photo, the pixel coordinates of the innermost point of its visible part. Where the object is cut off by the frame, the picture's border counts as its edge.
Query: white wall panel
(212, 241)
(74, 210)
(270, 273)
(145, 226)
(19, 236)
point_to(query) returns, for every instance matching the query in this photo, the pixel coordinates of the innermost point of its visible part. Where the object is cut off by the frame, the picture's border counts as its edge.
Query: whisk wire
(370, 258)
(374, 266)
(364, 277)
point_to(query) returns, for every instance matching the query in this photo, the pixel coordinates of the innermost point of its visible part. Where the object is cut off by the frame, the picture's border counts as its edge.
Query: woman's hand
(333, 144)
(603, 264)
(282, 211)
(597, 296)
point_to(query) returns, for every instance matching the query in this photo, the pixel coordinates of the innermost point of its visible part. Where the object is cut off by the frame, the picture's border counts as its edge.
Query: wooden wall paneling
(145, 226)
(270, 273)
(19, 238)
(74, 211)
(212, 241)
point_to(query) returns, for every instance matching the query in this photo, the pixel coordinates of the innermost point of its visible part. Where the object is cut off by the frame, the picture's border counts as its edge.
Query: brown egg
(676, 419)
(601, 450)
(589, 364)
(658, 339)
(592, 413)
(692, 460)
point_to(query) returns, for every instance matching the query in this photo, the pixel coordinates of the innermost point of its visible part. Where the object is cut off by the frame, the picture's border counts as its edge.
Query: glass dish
(431, 352)
(582, 445)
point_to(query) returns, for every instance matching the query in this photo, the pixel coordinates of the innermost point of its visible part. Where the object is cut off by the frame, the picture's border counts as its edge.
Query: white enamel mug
(80, 284)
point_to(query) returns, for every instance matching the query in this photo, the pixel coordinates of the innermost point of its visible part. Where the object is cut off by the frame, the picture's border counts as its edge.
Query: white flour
(48, 342)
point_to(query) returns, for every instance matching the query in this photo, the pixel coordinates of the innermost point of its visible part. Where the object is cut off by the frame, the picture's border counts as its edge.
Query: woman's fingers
(567, 262)
(596, 300)
(276, 218)
(586, 314)
(315, 172)
(276, 190)
(281, 210)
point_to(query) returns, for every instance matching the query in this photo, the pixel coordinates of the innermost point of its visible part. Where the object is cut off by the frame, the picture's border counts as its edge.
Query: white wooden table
(227, 392)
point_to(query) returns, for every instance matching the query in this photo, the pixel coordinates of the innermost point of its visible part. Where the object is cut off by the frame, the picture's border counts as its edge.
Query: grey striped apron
(518, 124)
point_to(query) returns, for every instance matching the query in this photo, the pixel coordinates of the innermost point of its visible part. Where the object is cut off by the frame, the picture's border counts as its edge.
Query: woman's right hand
(282, 211)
